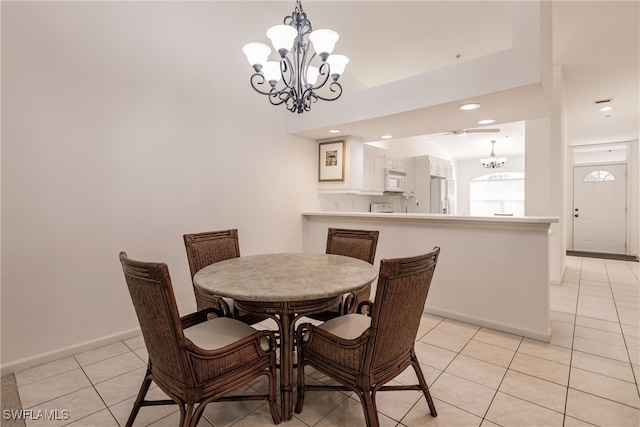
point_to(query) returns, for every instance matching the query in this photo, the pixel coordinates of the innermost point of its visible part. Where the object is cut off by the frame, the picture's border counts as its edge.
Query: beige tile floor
(587, 375)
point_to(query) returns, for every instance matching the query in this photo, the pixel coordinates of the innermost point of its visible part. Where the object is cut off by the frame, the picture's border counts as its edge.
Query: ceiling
(596, 43)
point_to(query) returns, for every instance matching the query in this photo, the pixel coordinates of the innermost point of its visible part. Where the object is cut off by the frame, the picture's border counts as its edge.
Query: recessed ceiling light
(334, 130)
(606, 108)
(486, 121)
(386, 136)
(467, 107)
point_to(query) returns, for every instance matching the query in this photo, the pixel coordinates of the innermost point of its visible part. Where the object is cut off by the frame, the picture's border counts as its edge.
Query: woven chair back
(207, 248)
(359, 244)
(153, 299)
(401, 294)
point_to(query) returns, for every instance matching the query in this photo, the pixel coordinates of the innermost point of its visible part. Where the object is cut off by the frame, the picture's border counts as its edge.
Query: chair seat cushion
(220, 332)
(349, 326)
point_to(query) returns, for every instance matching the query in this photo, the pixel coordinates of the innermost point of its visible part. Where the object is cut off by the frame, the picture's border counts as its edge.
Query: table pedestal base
(286, 314)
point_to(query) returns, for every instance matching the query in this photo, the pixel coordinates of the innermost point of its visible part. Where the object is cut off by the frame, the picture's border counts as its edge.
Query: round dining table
(285, 286)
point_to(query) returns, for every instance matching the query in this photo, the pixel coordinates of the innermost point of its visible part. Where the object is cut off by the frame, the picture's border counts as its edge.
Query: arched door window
(599, 175)
(498, 193)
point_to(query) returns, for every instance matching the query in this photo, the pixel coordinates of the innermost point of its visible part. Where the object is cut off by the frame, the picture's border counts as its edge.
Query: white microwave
(395, 181)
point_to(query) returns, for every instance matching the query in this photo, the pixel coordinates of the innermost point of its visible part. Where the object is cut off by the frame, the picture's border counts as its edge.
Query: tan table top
(285, 276)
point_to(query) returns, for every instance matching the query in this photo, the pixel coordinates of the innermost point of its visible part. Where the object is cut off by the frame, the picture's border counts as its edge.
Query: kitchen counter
(492, 271)
(498, 219)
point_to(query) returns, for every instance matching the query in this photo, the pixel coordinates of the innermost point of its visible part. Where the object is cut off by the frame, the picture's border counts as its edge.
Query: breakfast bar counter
(438, 218)
(492, 271)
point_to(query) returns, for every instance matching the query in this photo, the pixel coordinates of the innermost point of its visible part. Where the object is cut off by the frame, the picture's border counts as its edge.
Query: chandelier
(293, 80)
(493, 162)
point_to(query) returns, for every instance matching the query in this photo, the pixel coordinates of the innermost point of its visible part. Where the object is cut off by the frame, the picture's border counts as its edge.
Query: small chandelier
(300, 79)
(493, 162)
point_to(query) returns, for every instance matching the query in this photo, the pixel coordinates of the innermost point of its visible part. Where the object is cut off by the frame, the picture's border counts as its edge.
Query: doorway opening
(599, 221)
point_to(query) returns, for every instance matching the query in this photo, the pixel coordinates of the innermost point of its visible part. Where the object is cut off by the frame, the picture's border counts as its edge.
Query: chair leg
(273, 391)
(300, 400)
(144, 388)
(187, 416)
(369, 405)
(183, 414)
(423, 384)
(197, 414)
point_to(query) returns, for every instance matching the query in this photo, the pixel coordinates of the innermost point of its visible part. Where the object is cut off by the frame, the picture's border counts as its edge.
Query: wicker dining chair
(193, 359)
(359, 244)
(364, 353)
(207, 248)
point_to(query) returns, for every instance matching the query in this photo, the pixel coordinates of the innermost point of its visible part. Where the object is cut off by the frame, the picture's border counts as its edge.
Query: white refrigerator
(440, 202)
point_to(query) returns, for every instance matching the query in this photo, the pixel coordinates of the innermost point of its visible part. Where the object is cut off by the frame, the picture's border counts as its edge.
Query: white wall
(126, 125)
(558, 173)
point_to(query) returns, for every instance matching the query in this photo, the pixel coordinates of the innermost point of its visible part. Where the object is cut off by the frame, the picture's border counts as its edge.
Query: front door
(599, 208)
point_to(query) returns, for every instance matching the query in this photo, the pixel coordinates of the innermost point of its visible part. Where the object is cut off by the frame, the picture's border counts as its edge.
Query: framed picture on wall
(331, 166)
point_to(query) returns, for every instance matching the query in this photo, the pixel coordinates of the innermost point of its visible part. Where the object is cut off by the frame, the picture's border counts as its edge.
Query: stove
(381, 207)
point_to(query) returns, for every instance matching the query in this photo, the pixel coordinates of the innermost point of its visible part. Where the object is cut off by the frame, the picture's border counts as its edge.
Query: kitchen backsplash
(355, 202)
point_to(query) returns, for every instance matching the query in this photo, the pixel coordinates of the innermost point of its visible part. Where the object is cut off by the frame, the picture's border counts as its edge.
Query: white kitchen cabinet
(448, 172)
(439, 167)
(396, 163)
(373, 169)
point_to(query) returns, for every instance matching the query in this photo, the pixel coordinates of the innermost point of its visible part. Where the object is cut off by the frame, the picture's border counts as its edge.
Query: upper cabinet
(373, 169)
(396, 163)
(439, 167)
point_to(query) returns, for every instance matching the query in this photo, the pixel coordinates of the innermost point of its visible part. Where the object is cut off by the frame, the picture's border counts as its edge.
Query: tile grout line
(624, 339)
(484, 417)
(496, 392)
(93, 386)
(573, 338)
(436, 379)
(449, 364)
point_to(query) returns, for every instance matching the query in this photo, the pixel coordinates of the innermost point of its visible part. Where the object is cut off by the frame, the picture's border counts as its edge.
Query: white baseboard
(555, 280)
(498, 326)
(50, 356)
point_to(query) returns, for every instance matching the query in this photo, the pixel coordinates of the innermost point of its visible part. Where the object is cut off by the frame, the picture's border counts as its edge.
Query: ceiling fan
(467, 131)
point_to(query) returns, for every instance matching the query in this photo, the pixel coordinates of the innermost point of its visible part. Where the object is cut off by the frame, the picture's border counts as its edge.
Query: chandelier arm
(332, 87)
(303, 66)
(295, 103)
(291, 103)
(256, 76)
(275, 97)
(307, 98)
(323, 71)
(287, 70)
